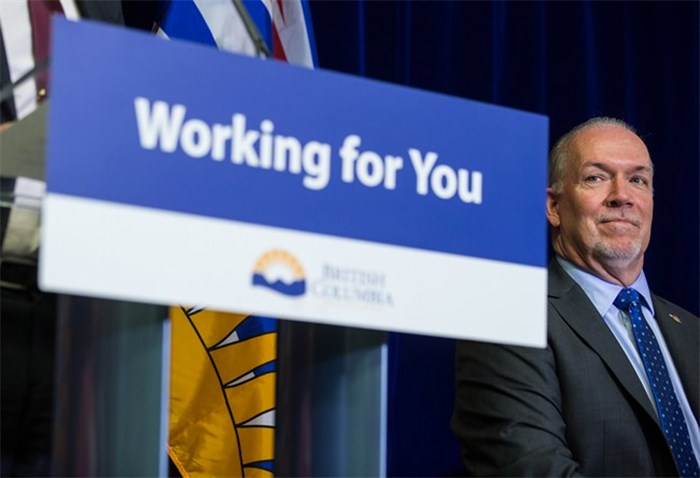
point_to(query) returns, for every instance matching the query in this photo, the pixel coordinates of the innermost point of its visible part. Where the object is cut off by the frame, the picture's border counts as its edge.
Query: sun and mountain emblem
(280, 271)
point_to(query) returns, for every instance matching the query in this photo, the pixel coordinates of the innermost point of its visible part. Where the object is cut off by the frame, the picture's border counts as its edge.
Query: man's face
(602, 217)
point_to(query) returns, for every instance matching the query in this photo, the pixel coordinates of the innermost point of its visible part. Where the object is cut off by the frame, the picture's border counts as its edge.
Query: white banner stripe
(118, 251)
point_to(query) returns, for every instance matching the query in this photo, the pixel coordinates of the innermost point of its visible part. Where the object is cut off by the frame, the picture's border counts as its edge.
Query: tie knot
(627, 298)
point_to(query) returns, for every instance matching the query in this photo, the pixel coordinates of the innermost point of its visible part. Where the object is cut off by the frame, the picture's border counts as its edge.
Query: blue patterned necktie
(672, 420)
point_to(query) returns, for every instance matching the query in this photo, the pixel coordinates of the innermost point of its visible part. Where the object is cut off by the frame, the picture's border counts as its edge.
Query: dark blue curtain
(568, 60)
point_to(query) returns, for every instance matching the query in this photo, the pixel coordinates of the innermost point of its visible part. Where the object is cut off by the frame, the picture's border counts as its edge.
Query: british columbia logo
(280, 271)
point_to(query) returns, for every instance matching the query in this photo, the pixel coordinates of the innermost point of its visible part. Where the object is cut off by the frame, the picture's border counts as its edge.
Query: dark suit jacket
(575, 407)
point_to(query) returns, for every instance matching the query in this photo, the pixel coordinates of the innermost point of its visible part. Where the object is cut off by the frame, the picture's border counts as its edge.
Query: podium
(112, 377)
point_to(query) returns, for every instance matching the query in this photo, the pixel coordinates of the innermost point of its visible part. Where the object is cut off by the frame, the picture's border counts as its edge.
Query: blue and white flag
(278, 28)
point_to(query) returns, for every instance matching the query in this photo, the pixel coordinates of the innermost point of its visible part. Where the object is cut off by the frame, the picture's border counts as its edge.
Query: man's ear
(553, 208)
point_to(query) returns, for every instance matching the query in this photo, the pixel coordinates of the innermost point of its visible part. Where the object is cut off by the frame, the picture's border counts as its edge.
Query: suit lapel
(574, 307)
(682, 341)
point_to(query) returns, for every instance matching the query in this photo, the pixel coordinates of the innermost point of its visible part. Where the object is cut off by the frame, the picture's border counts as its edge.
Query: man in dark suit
(590, 403)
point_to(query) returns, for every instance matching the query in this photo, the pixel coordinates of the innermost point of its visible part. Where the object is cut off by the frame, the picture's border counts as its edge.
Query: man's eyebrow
(605, 167)
(647, 169)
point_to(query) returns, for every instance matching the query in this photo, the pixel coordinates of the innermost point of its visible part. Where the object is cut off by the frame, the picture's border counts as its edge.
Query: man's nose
(619, 194)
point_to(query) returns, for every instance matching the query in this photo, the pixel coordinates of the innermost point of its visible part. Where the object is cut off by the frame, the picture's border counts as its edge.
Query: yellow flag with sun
(222, 393)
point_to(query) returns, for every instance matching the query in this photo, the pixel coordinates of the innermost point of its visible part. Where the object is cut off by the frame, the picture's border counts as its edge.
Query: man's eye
(593, 179)
(638, 180)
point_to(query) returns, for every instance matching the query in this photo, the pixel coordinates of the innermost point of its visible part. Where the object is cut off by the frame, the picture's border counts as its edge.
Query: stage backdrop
(568, 60)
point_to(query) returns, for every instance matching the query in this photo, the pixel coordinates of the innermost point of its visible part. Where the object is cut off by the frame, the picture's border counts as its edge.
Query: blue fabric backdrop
(567, 60)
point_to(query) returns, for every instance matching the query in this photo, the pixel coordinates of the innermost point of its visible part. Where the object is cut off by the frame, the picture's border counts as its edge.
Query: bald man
(615, 392)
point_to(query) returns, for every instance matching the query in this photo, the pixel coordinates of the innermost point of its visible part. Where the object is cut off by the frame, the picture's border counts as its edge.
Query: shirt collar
(601, 293)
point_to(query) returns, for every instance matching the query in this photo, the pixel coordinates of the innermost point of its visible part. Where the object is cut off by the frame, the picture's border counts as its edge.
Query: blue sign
(174, 127)
(186, 128)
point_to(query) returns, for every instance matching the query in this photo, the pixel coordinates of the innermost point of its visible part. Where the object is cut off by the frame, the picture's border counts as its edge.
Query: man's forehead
(608, 143)
(605, 132)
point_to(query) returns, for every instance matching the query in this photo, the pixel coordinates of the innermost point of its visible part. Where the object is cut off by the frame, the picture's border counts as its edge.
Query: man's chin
(619, 253)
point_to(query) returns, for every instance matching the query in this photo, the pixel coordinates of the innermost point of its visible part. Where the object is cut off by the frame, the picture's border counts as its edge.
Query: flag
(223, 365)
(222, 402)
(281, 28)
